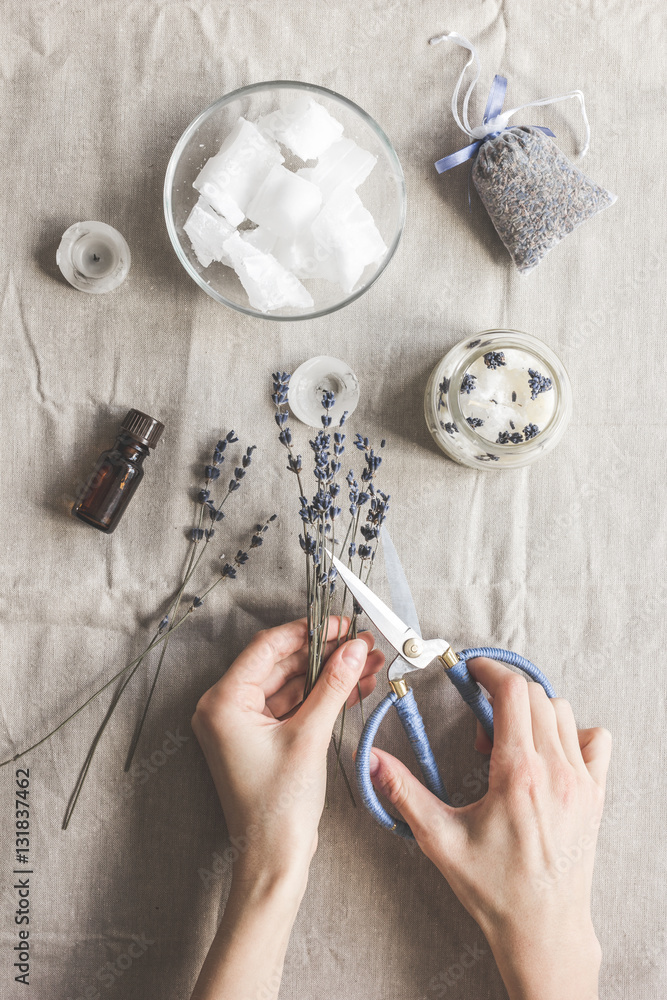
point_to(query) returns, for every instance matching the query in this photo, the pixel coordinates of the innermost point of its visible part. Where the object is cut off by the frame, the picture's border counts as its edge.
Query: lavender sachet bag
(533, 194)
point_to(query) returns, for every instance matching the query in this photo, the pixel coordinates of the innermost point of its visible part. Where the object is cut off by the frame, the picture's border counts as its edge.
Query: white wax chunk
(230, 179)
(260, 238)
(269, 285)
(285, 203)
(346, 237)
(501, 395)
(298, 255)
(207, 232)
(304, 126)
(343, 163)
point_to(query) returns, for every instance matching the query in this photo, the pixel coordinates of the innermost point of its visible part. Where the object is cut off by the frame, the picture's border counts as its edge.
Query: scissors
(415, 653)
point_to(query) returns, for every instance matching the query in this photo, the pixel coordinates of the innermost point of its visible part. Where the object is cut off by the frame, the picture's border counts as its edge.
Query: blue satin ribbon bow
(494, 106)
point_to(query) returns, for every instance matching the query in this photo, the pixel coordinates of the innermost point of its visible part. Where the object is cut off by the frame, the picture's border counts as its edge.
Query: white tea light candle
(93, 257)
(498, 400)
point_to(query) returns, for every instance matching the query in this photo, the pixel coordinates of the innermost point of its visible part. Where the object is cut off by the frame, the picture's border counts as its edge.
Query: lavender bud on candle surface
(494, 359)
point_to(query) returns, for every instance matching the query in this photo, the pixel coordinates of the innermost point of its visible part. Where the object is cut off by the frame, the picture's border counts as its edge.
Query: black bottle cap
(145, 429)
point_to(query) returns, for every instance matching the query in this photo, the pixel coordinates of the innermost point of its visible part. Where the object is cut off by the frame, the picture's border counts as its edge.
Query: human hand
(267, 752)
(521, 858)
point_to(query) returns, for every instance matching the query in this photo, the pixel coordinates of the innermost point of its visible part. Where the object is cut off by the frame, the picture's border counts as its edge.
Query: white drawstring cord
(501, 121)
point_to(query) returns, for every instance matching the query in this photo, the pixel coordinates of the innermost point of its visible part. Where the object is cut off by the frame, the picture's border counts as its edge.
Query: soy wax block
(269, 285)
(304, 126)
(298, 254)
(230, 179)
(285, 203)
(343, 163)
(260, 238)
(346, 237)
(207, 231)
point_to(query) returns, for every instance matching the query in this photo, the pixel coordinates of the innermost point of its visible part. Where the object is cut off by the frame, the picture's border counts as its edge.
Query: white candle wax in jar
(506, 398)
(93, 257)
(498, 401)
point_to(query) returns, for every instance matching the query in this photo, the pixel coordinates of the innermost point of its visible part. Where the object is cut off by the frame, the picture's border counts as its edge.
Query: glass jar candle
(498, 400)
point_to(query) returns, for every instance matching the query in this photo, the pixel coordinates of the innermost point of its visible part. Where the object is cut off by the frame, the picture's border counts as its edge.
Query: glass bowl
(514, 420)
(382, 193)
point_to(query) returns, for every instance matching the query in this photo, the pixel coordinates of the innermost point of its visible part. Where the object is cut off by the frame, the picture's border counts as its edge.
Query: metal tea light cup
(446, 388)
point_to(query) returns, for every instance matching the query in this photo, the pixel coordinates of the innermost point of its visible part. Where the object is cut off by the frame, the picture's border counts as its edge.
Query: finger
(512, 724)
(567, 731)
(291, 694)
(432, 822)
(270, 646)
(333, 687)
(482, 742)
(545, 725)
(596, 752)
(294, 664)
(367, 686)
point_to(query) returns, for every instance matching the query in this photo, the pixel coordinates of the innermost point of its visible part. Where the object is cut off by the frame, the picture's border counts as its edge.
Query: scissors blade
(399, 588)
(389, 624)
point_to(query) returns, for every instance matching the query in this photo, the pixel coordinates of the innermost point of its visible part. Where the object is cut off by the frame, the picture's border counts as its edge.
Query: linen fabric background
(564, 562)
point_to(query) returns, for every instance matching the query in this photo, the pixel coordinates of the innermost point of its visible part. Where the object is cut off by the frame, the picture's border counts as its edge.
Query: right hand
(521, 858)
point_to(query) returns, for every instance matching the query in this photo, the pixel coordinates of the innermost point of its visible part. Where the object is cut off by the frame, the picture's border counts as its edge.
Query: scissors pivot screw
(413, 647)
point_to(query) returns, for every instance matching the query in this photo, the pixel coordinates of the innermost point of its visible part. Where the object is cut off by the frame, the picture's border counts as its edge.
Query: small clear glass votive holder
(498, 400)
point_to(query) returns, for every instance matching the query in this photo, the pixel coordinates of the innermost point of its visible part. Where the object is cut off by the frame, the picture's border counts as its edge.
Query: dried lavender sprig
(212, 473)
(215, 514)
(318, 517)
(358, 500)
(197, 602)
(156, 642)
(280, 398)
(161, 635)
(321, 514)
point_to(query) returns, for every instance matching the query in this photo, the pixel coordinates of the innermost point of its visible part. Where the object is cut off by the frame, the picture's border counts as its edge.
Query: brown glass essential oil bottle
(118, 472)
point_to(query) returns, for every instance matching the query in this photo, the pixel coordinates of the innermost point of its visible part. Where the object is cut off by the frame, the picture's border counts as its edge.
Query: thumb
(333, 687)
(433, 823)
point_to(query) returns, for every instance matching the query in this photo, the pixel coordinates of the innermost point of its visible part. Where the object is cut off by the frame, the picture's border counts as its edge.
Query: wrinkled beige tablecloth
(564, 562)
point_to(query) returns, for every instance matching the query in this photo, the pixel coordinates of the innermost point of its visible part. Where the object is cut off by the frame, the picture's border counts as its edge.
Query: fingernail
(373, 764)
(354, 652)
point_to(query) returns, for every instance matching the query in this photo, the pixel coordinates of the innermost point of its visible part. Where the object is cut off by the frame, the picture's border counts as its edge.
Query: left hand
(266, 748)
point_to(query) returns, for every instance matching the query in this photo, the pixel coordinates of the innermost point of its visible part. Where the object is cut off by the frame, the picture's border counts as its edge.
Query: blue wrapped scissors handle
(408, 713)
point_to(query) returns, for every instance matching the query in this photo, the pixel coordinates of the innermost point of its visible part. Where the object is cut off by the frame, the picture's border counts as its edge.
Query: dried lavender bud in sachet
(534, 195)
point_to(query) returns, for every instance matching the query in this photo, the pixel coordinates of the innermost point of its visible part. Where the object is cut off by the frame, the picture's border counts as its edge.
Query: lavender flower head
(494, 359)
(538, 383)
